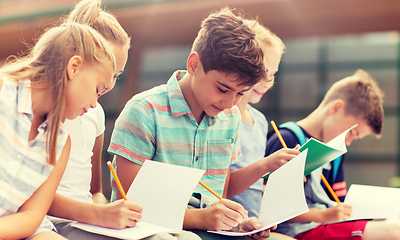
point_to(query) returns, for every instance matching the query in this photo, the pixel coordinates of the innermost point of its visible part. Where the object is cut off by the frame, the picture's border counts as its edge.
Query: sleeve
(101, 125)
(133, 136)
(274, 144)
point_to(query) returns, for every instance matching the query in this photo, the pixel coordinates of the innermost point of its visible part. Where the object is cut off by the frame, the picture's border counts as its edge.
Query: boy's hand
(224, 215)
(280, 157)
(253, 223)
(119, 214)
(340, 212)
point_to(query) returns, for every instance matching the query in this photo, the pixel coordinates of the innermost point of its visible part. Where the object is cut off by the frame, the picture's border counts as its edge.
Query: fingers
(238, 212)
(128, 213)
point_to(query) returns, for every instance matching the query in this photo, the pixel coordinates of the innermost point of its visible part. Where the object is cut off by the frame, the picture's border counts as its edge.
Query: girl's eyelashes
(240, 93)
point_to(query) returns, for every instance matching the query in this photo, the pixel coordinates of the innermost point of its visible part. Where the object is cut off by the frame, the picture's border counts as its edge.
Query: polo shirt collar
(179, 106)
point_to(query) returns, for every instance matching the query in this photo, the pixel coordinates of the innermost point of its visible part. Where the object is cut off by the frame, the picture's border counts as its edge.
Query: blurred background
(325, 41)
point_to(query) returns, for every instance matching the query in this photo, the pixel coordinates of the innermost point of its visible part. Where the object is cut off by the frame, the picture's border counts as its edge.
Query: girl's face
(121, 57)
(85, 84)
(272, 58)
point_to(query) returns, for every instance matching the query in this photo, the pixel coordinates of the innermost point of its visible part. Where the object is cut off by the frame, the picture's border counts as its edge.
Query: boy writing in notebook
(356, 99)
(192, 121)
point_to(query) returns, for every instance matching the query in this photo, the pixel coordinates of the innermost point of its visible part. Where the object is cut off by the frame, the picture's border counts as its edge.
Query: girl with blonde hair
(59, 79)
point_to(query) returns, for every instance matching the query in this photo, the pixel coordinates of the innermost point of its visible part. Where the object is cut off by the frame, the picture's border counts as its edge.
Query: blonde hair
(265, 36)
(362, 97)
(89, 12)
(47, 62)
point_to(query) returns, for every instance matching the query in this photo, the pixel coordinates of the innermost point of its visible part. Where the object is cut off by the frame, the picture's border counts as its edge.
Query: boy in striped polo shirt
(193, 121)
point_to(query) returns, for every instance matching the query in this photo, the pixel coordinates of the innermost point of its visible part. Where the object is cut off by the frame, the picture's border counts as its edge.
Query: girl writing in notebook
(60, 78)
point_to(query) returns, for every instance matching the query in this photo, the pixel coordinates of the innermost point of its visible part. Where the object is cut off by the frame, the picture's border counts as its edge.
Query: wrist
(193, 219)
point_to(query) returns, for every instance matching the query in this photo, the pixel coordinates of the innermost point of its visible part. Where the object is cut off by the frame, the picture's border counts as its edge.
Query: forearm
(243, 178)
(193, 219)
(99, 198)
(67, 208)
(313, 215)
(10, 226)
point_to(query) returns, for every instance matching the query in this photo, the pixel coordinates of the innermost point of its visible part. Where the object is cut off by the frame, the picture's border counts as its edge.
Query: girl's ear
(74, 64)
(193, 63)
(336, 105)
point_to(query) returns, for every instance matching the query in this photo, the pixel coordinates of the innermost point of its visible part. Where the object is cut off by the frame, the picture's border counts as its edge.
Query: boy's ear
(193, 63)
(74, 63)
(336, 105)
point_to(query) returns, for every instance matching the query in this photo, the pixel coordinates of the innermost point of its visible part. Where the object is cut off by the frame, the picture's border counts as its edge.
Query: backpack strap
(302, 139)
(292, 126)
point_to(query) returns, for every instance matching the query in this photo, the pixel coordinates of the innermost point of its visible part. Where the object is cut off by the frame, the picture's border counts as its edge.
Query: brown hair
(47, 62)
(89, 12)
(224, 43)
(362, 96)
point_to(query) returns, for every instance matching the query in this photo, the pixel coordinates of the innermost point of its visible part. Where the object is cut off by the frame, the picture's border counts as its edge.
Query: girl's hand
(119, 214)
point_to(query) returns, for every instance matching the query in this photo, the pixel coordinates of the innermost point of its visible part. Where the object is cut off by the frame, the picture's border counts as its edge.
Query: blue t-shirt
(253, 141)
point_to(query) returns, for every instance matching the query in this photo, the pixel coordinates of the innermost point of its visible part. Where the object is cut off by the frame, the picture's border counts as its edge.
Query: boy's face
(272, 58)
(341, 122)
(216, 91)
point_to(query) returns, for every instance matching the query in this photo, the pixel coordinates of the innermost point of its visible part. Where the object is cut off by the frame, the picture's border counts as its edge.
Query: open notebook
(320, 153)
(283, 196)
(163, 191)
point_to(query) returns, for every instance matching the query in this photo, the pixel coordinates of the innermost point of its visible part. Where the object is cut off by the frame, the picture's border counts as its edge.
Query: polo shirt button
(204, 205)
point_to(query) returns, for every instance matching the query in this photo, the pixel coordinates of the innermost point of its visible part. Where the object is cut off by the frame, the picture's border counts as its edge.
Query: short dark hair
(225, 43)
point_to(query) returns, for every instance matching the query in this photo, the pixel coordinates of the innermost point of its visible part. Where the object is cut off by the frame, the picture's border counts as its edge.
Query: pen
(210, 190)
(330, 188)
(117, 180)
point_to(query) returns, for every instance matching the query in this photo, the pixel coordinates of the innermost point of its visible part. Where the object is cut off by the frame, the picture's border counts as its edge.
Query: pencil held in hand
(330, 188)
(278, 134)
(210, 190)
(121, 190)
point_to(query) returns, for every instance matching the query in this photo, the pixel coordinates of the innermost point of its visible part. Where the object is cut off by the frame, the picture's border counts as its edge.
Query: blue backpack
(292, 126)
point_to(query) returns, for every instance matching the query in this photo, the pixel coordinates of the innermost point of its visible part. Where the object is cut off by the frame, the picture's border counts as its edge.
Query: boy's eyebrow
(228, 87)
(225, 85)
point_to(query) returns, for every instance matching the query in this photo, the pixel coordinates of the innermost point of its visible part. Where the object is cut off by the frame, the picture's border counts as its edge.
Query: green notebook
(320, 153)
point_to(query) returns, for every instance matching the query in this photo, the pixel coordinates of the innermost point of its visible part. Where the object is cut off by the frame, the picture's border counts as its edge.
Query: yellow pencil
(278, 134)
(210, 190)
(330, 188)
(117, 180)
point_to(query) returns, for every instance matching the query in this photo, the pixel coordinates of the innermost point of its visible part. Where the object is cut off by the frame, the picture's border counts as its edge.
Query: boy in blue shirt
(192, 120)
(356, 99)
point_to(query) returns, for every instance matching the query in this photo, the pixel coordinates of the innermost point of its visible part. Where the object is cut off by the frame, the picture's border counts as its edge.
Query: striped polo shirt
(23, 163)
(158, 125)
